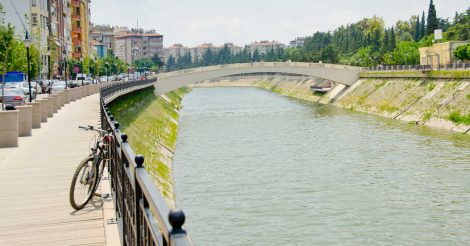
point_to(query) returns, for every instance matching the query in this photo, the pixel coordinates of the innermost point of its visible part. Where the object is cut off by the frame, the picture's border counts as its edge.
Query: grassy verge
(459, 119)
(150, 122)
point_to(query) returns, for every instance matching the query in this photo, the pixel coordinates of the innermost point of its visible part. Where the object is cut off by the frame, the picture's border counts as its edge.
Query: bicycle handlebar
(91, 128)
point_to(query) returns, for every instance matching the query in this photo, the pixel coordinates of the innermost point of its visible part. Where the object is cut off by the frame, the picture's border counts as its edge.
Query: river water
(255, 168)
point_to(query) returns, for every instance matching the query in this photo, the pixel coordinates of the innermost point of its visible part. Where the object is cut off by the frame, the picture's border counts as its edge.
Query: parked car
(73, 83)
(103, 78)
(58, 86)
(13, 96)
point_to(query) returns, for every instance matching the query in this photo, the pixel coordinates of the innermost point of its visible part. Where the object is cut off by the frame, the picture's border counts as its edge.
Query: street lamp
(48, 53)
(64, 52)
(81, 68)
(27, 43)
(106, 70)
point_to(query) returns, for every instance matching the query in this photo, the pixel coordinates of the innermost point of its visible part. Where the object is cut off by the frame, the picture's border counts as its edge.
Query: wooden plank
(35, 181)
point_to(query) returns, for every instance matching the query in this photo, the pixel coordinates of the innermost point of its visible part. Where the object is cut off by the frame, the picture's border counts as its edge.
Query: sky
(193, 22)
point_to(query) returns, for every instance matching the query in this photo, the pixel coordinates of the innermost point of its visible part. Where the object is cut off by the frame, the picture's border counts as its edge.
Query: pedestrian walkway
(35, 179)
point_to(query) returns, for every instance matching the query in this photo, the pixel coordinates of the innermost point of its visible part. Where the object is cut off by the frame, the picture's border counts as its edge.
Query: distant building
(440, 53)
(297, 42)
(99, 50)
(175, 51)
(80, 28)
(198, 52)
(103, 34)
(264, 46)
(138, 44)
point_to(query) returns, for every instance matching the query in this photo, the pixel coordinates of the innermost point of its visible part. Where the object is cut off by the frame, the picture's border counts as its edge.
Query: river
(255, 168)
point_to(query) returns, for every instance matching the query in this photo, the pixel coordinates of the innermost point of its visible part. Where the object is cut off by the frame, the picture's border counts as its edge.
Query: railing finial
(124, 137)
(139, 160)
(111, 117)
(176, 219)
(116, 125)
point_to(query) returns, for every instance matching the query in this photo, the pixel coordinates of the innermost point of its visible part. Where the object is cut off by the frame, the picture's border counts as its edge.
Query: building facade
(297, 42)
(137, 45)
(440, 53)
(264, 46)
(103, 34)
(80, 29)
(176, 50)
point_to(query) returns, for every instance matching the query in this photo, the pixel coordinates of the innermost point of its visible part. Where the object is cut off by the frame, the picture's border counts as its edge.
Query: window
(34, 3)
(35, 19)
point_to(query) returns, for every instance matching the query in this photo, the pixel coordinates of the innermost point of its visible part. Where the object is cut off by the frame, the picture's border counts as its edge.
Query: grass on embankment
(151, 122)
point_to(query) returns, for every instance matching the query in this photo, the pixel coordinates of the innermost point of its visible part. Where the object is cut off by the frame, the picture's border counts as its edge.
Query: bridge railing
(143, 216)
(454, 66)
(257, 64)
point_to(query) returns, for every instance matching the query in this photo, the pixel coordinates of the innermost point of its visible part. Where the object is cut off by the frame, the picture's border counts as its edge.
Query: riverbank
(151, 122)
(437, 103)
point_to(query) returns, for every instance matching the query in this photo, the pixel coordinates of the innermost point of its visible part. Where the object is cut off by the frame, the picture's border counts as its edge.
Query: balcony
(77, 55)
(76, 41)
(76, 17)
(76, 3)
(76, 29)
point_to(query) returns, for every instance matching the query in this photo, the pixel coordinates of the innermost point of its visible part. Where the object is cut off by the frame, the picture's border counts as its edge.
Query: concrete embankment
(438, 103)
(151, 122)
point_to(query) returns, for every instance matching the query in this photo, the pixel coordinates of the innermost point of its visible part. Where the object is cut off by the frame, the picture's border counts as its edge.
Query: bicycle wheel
(83, 183)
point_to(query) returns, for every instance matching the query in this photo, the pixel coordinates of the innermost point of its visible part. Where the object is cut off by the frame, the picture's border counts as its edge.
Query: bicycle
(88, 174)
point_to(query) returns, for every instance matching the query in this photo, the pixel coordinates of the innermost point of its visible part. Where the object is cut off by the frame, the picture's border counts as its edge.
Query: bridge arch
(341, 74)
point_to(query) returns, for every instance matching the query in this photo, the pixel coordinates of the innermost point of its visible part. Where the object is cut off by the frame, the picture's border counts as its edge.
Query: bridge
(346, 75)
(35, 177)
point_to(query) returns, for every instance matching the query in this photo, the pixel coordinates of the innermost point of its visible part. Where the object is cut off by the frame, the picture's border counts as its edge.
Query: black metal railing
(454, 66)
(143, 216)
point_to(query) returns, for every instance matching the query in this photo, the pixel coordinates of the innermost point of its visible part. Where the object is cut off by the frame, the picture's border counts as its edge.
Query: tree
(171, 64)
(417, 34)
(158, 61)
(433, 23)
(392, 43)
(422, 32)
(406, 53)
(463, 52)
(460, 30)
(256, 56)
(329, 54)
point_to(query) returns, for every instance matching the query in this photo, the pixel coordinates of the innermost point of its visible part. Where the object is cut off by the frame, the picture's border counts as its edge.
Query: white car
(103, 79)
(58, 86)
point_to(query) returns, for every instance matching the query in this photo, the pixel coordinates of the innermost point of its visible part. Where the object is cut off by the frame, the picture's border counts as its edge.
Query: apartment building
(138, 44)
(80, 29)
(175, 50)
(264, 46)
(297, 42)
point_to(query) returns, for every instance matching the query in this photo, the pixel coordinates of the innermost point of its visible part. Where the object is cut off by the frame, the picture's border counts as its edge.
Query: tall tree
(392, 43)
(422, 32)
(433, 22)
(417, 33)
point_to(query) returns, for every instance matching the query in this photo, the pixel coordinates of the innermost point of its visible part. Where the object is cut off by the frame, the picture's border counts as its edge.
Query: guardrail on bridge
(142, 214)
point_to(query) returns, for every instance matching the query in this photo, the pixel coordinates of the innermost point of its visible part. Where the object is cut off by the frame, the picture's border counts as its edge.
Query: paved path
(35, 180)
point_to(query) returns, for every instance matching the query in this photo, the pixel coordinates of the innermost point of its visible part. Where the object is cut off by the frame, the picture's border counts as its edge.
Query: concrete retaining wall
(8, 129)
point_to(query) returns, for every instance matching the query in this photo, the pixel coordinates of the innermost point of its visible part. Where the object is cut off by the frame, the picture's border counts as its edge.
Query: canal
(255, 168)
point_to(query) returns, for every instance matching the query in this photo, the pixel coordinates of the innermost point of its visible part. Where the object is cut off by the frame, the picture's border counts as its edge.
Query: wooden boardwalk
(35, 180)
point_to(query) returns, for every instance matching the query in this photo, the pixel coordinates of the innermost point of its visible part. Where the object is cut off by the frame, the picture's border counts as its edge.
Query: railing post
(176, 219)
(139, 160)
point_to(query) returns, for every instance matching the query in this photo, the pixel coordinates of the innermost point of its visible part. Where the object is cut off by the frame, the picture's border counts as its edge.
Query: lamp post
(27, 43)
(48, 53)
(65, 65)
(106, 70)
(81, 70)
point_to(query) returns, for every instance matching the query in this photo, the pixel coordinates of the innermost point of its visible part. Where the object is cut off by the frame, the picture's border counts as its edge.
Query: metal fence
(455, 66)
(142, 213)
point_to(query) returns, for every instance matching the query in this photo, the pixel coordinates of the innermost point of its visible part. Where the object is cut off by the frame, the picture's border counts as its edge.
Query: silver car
(58, 86)
(13, 96)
